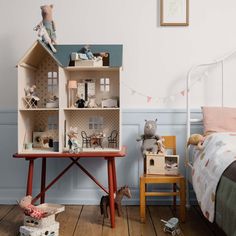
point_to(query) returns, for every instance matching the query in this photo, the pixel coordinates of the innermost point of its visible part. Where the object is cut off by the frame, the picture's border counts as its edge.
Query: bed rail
(190, 120)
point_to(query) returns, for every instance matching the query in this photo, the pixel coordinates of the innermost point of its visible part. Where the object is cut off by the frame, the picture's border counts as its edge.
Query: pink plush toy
(31, 210)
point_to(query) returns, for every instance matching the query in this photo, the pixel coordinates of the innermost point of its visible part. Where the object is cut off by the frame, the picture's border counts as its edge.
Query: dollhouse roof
(36, 53)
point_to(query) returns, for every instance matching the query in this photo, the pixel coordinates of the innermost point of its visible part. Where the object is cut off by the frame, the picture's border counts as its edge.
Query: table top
(100, 154)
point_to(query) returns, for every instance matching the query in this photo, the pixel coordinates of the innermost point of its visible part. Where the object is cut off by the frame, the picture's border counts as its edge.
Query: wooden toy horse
(104, 203)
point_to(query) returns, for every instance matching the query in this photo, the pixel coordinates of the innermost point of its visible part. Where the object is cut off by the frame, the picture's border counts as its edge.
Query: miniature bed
(212, 170)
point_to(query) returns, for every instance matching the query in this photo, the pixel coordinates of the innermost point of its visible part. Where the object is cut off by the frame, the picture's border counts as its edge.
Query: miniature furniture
(96, 140)
(29, 102)
(56, 78)
(113, 138)
(85, 139)
(145, 179)
(111, 172)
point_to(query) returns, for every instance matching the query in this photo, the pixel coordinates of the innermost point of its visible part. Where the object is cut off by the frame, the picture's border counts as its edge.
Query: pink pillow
(219, 119)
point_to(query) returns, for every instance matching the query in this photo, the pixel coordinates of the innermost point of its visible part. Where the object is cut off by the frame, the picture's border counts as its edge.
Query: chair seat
(161, 178)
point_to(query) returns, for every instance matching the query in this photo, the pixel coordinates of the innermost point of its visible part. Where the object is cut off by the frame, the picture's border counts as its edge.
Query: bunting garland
(166, 99)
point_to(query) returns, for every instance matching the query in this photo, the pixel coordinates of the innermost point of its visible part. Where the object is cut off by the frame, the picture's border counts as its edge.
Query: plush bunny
(46, 28)
(48, 22)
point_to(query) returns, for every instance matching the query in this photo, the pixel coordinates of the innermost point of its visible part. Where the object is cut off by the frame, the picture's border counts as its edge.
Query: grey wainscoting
(75, 187)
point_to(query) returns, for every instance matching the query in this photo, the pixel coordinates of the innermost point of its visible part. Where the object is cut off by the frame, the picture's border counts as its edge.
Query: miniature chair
(113, 139)
(170, 143)
(85, 139)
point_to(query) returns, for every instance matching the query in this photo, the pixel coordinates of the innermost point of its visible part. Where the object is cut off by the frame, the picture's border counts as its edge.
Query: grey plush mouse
(149, 137)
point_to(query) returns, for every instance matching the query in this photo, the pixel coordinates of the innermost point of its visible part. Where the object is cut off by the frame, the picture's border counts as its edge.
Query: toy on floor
(104, 203)
(31, 210)
(39, 220)
(149, 138)
(172, 226)
(196, 139)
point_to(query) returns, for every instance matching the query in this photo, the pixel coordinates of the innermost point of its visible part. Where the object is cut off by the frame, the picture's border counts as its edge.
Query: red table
(111, 170)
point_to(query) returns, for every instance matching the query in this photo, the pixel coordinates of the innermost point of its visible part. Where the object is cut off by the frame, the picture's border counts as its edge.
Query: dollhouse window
(151, 162)
(96, 122)
(105, 84)
(52, 83)
(52, 122)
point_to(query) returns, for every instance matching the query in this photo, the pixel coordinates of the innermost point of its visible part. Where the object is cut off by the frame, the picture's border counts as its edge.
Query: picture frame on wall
(174, 12)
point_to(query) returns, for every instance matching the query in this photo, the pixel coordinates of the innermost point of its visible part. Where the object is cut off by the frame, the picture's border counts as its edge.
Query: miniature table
(111, 170)
(96, 140)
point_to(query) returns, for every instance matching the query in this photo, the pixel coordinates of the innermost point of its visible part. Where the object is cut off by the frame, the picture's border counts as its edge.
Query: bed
(212, 169)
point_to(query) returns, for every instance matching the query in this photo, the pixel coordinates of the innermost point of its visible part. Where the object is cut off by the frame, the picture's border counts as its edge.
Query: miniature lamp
(72, 84)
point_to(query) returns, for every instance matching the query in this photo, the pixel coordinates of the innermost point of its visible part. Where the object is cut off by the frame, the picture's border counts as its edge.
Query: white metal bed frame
(190, 120)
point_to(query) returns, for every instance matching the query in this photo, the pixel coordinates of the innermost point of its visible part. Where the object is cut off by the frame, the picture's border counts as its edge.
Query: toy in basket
(39, 220)
(162, 164)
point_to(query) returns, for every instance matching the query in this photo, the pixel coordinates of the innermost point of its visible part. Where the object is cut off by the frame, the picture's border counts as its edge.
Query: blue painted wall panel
(75, 187)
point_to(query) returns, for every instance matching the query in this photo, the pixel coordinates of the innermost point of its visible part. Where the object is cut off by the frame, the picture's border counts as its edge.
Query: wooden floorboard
(87, 220)
(90, 222)
(212, 226)
(194, 225)
(157, 213)
(121, 228)
(4, 210)
(10, 224)
(135, 227)
(68, 219)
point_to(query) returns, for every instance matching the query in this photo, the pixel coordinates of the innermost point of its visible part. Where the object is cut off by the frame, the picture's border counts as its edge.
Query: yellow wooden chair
(170, 143)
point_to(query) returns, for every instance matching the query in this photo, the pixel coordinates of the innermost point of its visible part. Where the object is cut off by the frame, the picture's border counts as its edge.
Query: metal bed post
(188, 102)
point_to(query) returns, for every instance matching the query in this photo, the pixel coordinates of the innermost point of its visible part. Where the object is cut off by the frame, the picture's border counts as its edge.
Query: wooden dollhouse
(55, 95)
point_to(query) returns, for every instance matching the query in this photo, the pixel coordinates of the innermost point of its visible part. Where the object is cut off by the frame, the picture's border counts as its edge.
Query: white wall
(156, 59)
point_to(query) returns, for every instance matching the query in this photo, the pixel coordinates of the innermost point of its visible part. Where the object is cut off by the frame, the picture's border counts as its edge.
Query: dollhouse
(162, 164)
(56, 94)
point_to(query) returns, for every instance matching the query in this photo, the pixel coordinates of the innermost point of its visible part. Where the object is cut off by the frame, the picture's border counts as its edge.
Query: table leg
(114, 174)
(30, 177)
(43, 179)
(111, 192)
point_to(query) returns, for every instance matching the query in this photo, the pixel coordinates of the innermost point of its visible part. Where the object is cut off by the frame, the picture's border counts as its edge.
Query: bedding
(214, 119)
(225, 210)
(219, 152)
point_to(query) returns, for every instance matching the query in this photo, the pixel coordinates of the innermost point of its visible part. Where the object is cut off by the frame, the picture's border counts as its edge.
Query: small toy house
(162, 164)
(54, 95)
(45, 226)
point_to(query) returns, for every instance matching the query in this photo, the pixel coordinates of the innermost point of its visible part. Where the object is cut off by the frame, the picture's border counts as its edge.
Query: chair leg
(182, 200)
(142, 200)
(174, 197)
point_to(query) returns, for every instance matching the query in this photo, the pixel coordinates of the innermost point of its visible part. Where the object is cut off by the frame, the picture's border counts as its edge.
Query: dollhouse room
(118, 118)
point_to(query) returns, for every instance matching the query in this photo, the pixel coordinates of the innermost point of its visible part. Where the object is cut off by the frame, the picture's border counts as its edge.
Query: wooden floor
(86, 220)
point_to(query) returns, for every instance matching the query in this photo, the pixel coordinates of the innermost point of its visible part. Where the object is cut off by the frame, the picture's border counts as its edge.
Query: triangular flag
(183, 93)
(149, 99)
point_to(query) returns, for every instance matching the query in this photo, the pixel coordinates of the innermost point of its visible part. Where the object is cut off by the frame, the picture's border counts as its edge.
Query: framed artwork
(174, 12)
